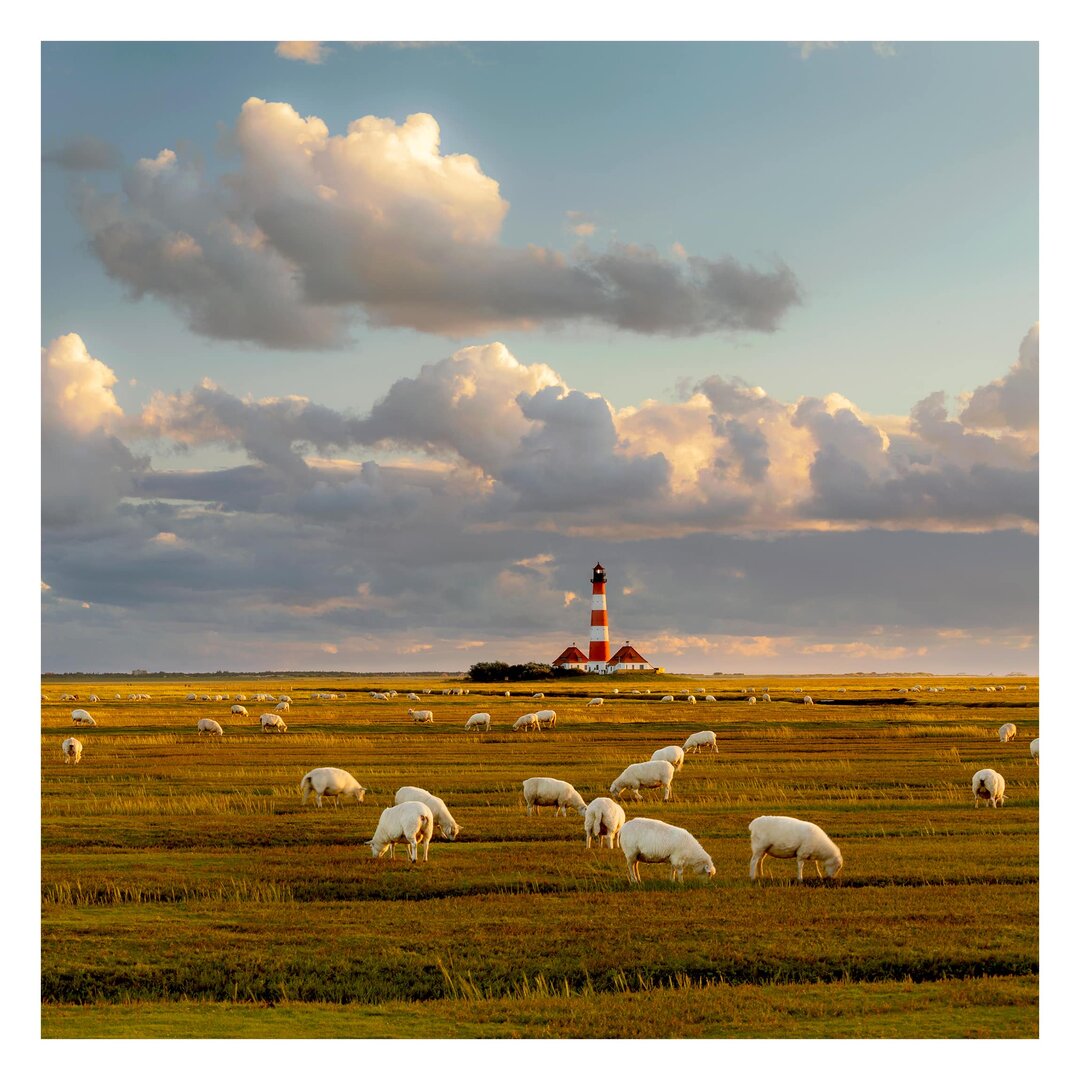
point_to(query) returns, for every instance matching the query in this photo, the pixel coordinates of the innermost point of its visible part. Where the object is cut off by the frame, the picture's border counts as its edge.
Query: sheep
(1035, 750)
(478, 720)
(209, 727)
(331, 783)
(441, 816)
(285, 697)
(272, 722)
(1007, 732)
(989, 785)
(538, 695)
(238, 710)
(72, 750)
(667, 697)
(691, 699)
(710, 697)
(547, 717)
(506, 693)
(414, 697)
(546, 791)
(766, 697)
(645, 774)
(595, 701)
(603, 819)
(702, 738)
(240, 697)
(790, 838)
(219, 697)
(117, 697)
(407, 823)
(44, 697)
(282, 706)
(93, 697)
(376, 696)
(190, 697)
(81, 716)
(674, 754)
(528, 722)
(1021, 688)
(391, 693)
(69, 697)
(751, 700)
(422, 716)
(650, 841)
(808, 700)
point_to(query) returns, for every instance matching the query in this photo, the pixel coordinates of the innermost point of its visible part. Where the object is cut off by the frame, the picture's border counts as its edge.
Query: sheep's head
(834, 865)
(450, 832)
(705, 867)
(378, 852)
(359, 793)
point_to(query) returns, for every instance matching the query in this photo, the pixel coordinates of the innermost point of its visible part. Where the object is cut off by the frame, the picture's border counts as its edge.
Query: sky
(360, 357)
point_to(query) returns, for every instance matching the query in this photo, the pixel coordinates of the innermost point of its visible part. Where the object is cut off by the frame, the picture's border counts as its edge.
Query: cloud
(577, 223)
(1011, 402)
(808, 48)
(883, 48)
(310, 52)
(315, 230)
(84, 153)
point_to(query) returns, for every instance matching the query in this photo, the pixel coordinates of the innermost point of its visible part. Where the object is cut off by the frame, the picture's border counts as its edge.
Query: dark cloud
(84, 153)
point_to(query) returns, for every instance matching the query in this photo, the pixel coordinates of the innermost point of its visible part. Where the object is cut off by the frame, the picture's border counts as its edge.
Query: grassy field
(186, 892)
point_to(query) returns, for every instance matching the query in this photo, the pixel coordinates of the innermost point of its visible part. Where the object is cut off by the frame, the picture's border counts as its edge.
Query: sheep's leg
(667, 793)
(637, 794)
(391, 850)
(427, 844)
(412, 851)
(588, 841)
(800, 862)
(817, 867)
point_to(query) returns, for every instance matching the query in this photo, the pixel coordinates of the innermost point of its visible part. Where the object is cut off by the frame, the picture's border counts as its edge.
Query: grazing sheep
(691, 699)
(422, 716)
(407, 823)
(1007, 732)
(765, 697)
(375, 696)
(441, 816)
(603, 819)
(528, 722)
(190, 697)
(81, 716)
(751, 700)
(93, 697)
(790, 838)
(702, 738)
(240, 697)
(674, 754)
(547, 717)
(414, 697)
(709, 697)
(546, 791)
(506, 693)
(219, 697)
(1021, 688)
(72, 750)
(271, 722)
(69, 697)
(202, 697)
(644, 774)
(989, 785)
(1035, 749)
(808, 700)
(595, 701)
(209, 727)
(667, 697)
(478, 720)
(238, 710)
(285, 697)
(331, 784)
(650, 841)
(282, 706)
(538, 695)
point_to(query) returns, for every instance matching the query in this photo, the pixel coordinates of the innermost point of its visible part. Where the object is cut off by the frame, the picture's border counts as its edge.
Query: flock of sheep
(416, 812)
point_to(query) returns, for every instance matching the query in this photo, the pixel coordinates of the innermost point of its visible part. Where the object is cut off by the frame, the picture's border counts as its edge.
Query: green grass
(186, 892)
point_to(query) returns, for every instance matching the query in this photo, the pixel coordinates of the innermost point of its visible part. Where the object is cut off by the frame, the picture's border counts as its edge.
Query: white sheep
(808, 700)
(546, 791)
(751, 700)
(477, 721)
(93, 697)
(441, 816)
(376, 696)
(603, 819)
(81, 716)
(645, 840)
(422, 716)
(547, 717)
(1007, 732)
(691, 699)
(667, 697)
(209, 727)
(69, 697)
(281, 706)
(332, 784)
(190, 697)
(240, 697)
(414, 697)
(702, 738)
(506, 693)
(285, 697)
(72, 750)
(710, 697)
(1035, 749)
(989, 785)
(766, 697)
(674, 754)
(595, 701)
(790, 838)
(539, 694)
(219, 697)
(528, 722)
(271, 722)
(644, 774)
(238, 710)
(407, 823)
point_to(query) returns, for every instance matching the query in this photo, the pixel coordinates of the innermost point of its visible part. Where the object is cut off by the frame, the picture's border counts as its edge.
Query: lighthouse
(599, 648)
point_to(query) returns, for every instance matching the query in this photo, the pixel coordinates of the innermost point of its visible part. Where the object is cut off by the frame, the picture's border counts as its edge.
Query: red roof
(628, 655)
(572, 655)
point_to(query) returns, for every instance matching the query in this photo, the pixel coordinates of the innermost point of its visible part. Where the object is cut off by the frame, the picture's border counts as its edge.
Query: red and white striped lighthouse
(599, 648)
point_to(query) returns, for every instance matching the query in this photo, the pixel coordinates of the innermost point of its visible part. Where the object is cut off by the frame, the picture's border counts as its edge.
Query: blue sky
(897, 185)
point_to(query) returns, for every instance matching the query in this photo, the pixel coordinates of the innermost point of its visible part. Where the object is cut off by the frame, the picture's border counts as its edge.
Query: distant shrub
(498, 671)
